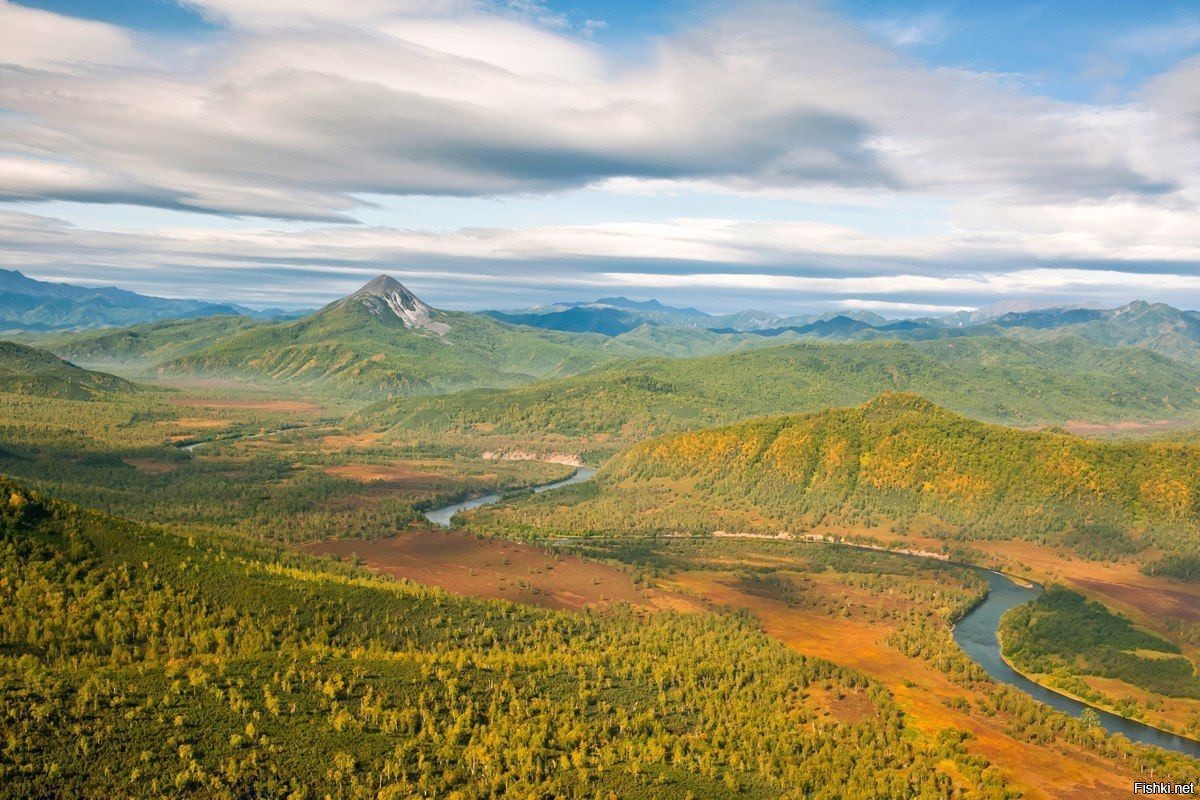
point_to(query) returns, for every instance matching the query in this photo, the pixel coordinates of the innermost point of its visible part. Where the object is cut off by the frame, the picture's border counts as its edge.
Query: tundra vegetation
(169, 631)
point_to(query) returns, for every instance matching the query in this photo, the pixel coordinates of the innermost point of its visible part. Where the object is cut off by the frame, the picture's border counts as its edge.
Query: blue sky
(904, 157)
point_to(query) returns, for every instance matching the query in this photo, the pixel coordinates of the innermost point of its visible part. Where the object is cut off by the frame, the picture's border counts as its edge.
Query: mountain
(992, 311)
(145, 345)
(385, 341)
(610, 316)
(840, 326)
(1152, 326)
(613, 316)
(25, 370)
(897, 459)
(31, 305)
(579, 319)
(649, 306)
(993, 378)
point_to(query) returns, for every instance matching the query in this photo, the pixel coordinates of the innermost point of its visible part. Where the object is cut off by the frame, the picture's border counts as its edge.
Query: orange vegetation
(371, 473)
(151, 466)
(1040, 771)
(494, 568)
(264, 404)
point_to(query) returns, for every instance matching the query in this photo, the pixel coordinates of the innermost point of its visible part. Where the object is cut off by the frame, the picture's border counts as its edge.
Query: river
(192, 446)
(442, 516)
(976, 634)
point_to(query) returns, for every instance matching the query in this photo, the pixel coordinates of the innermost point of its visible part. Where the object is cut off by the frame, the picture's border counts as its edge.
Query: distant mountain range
(1152, 326)
(993, 378)
(384, 341)
(613, 316)
(31, 305)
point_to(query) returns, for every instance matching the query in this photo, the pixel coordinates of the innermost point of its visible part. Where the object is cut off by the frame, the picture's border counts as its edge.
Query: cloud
(777, 265)
(33, 38)
(298, 109)
(924, 29)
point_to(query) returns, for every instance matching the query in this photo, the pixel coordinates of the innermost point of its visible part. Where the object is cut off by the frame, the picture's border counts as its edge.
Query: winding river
(442, 516)
(976, 634)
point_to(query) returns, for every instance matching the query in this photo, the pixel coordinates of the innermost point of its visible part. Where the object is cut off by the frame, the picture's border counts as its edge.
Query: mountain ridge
(37, 373)
(31, 305)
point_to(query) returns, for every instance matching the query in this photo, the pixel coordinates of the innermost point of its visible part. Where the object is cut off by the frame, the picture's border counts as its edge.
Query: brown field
(151, 466)
(344, 441)
(198, 423)
(1057, 771)
(1126, 428)
(845, 707)
(391, 473)
(494, 568)
(1147, 599)
(264, 404)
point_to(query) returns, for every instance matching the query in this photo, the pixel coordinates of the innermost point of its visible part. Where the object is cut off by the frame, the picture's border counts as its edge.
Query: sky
(909, 158)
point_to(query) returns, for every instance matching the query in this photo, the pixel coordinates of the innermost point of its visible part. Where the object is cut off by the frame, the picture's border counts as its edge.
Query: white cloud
(923, 29)
(772, 264)
(300, 108)
(30, 37)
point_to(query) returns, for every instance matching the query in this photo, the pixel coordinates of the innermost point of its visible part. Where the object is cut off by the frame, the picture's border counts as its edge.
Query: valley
(275, 550)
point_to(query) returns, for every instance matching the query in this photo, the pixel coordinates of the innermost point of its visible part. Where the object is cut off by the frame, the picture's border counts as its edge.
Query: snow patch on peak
(385, 294)
(413, 311)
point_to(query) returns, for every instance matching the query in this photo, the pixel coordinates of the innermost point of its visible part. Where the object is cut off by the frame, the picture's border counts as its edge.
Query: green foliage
(898, 460)
(1184, 566)
(28, 371)
(136, 663)
(994, 379)
(347, 348)
(147, 344)
(1063, 629)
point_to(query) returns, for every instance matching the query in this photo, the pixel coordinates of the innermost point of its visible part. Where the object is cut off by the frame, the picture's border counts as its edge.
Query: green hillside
(134, 663)
(362, 345)
(897, 459)
(1153, 326)
(146, 345)
(382, 341)
(28, 371)
(992, 378)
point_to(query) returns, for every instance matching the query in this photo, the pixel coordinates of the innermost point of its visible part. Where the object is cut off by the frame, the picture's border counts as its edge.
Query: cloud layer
(302, 110)
(295, 110)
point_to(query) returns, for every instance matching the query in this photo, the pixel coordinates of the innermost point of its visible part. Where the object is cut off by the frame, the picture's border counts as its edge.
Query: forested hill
(995, 379)
(146, 345)
(27, 370)
(384, 341)
(136, 663)
(897, 459)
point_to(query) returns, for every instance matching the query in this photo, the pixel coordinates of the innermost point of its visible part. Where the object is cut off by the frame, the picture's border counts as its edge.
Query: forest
(898, 461)
(989, 378)
(165, 609)
(187, 668)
